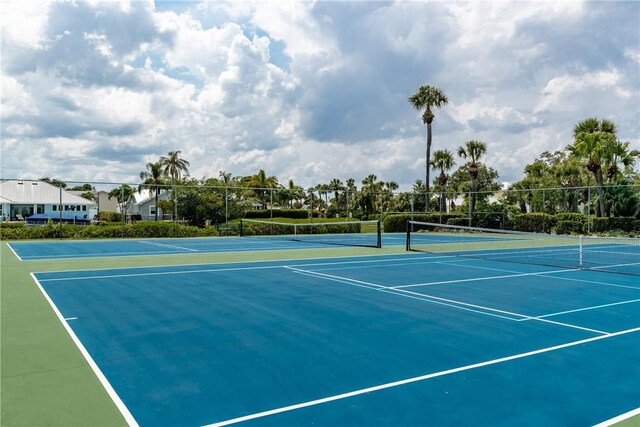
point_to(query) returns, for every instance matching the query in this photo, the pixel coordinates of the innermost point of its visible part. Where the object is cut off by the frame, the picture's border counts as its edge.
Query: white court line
(543, 274)
(579, 309)
(167, 246)
(619, 418)
(430, 298)
(414, 379)
(476, 279)
(572, 279)
(70, 318)
(96, 370)
(410, 294)
(14, 252)
(259, 267)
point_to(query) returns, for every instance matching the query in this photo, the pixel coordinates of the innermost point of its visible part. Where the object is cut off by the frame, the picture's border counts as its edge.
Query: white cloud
(559, 90)
(307, 90)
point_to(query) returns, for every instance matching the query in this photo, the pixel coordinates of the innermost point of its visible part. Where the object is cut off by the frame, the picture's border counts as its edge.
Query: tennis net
(610, 254)
(345, 233)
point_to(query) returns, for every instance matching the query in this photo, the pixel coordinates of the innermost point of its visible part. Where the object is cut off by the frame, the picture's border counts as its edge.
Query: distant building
(21, 199)
(103, 202)
(143, 203)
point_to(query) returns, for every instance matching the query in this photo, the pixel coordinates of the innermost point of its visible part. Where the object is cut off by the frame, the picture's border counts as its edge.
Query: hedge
(571, 216)
(616, 223)
(262, 229)
(536, 222)
(144, 229)
(569, 227)
(398, 222)
(109, 216)
(277, 213)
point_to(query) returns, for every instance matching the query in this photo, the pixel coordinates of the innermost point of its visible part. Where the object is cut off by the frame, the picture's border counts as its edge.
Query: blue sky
(309, 91)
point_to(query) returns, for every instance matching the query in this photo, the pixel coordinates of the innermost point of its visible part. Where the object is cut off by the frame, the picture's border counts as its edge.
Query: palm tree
(152, 179)
(593, 142)
(260, 182)
(336, 186)
(473, 150)
(121, 194)
(618, 154)
(426, 98)
(174, 166)
(443, 160)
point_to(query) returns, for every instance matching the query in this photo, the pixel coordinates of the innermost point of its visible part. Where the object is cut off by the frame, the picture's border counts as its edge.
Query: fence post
(60, 214)
(226, 205)
(470, 214)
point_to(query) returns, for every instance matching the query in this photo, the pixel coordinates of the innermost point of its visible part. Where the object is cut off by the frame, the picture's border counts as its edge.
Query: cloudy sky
(92, 90)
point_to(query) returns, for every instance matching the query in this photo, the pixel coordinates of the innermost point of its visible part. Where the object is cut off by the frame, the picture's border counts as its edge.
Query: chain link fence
(34, 202)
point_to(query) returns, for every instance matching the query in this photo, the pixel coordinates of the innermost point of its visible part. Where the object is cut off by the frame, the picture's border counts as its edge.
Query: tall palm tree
(426, 98)
(174, 166)
(593, 140)
(443, 160)
(153, 179)
(473, 151)
(336, 186)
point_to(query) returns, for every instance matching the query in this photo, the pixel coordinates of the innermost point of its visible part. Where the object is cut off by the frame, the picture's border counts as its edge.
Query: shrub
(458, 221)
(145, 229)
(259, 229)
(536, 222)
(571, 216)
(622, 223)
(109, 216)
(569, 227)
(398, 222)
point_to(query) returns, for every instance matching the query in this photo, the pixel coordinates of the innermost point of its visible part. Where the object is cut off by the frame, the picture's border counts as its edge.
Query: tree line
(594, 158)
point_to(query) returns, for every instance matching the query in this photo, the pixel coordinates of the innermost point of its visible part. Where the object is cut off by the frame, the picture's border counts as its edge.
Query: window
(84, 208)
(40, 209)
(152, 210)
(55, 208)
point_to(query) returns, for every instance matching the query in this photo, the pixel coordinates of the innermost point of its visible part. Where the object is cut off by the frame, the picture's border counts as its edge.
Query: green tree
(473, 151)
(54, 181)
(593, 143)
(443, 160)
(174, 166)
(486, 183)
(426, 98)
(260, 183)
(153, 179)
(121, 194)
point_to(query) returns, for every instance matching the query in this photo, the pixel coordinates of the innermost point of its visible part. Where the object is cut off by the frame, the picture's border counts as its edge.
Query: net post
(241, 231)
(379, 235)
(408, 244)
(580, 249)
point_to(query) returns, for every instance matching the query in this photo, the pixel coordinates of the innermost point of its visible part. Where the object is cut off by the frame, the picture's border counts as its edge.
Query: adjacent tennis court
(405, 339)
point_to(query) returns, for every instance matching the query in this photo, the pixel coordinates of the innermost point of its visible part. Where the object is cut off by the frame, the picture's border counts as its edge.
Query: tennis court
(404, 339)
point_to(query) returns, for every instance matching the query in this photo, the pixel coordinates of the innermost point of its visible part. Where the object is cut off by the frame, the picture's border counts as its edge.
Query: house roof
(142, 196)
(37, 192)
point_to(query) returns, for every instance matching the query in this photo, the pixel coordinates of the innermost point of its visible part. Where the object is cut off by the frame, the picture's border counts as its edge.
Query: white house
(143, 203)
(20, 199)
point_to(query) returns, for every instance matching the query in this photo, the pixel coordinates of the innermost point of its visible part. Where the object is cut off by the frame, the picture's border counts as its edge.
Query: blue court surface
(403, 340)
